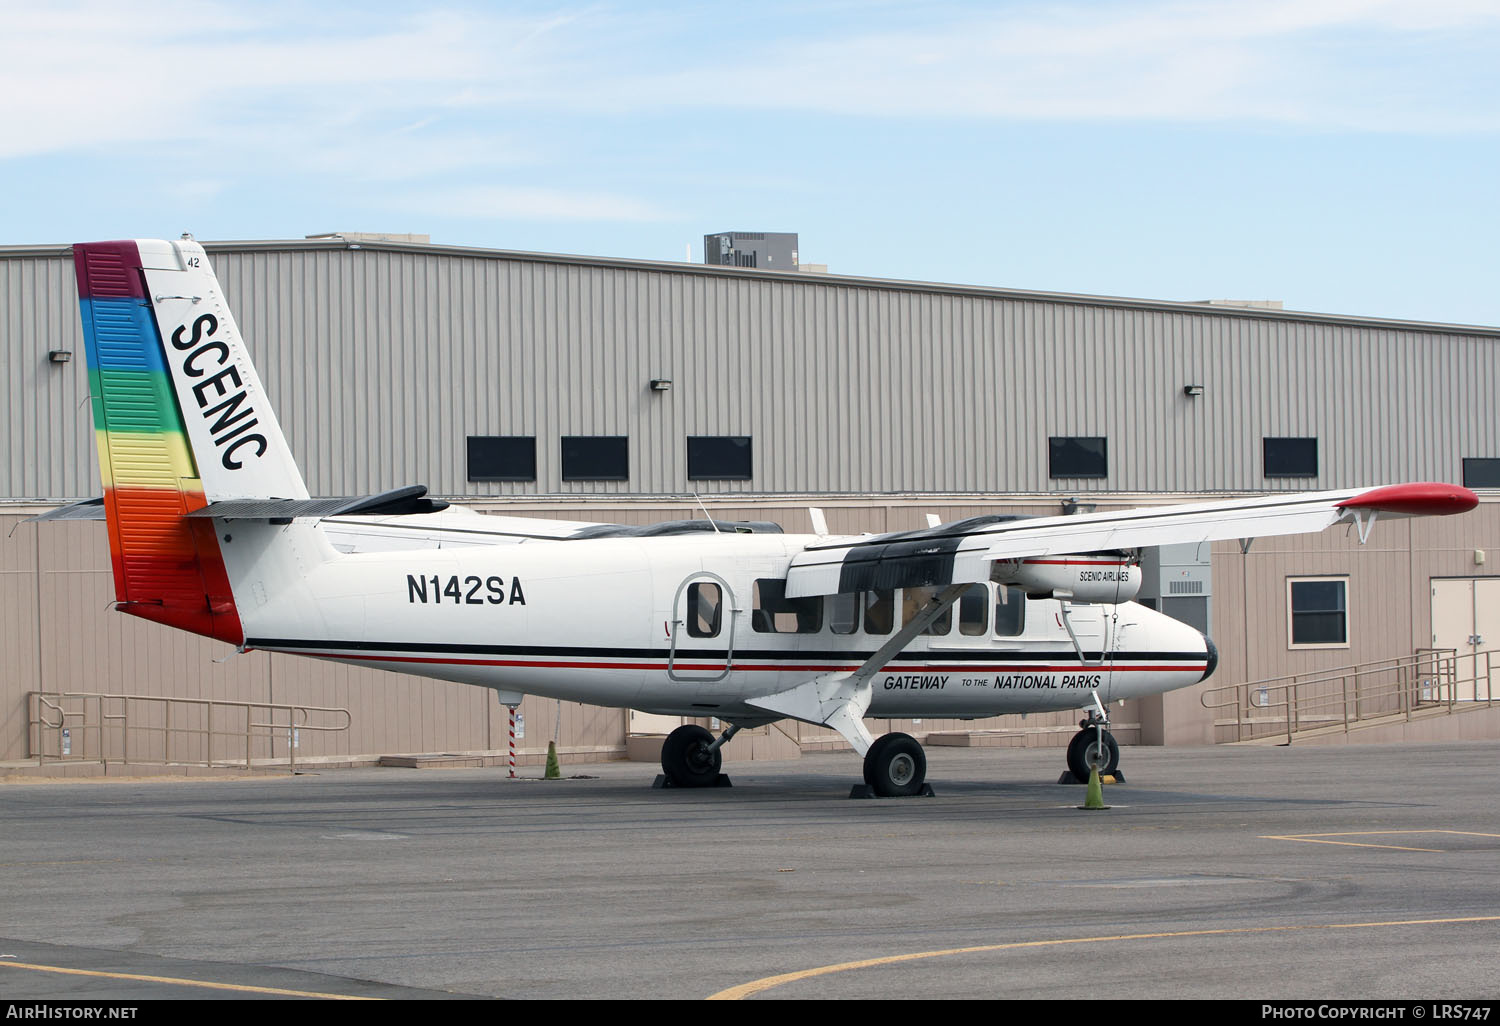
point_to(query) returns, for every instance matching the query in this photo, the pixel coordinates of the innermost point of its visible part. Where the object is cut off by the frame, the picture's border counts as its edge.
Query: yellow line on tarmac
(1345, 844)
(1319, 838)
(745, 990)
(242, 988)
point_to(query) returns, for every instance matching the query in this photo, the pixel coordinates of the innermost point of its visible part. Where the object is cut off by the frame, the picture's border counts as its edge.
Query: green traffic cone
(553, 772)
(1095, 797)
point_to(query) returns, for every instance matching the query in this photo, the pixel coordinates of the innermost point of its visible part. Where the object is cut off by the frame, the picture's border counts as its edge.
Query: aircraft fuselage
(689, 626)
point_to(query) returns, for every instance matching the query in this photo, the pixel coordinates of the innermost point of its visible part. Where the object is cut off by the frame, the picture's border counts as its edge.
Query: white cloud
(1340, 64)
(394, 95)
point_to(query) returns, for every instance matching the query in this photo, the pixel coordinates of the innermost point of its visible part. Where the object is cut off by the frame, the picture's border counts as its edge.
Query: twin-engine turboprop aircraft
(212, 530)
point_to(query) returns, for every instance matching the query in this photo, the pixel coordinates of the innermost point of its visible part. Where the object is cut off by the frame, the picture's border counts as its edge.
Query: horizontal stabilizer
(408, 501)
(83, 509)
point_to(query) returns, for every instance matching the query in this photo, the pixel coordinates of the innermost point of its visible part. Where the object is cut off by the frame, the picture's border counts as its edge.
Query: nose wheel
(1092, 748)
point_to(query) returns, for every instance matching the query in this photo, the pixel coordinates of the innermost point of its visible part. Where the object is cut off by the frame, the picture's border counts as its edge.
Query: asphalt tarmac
(1262, 873)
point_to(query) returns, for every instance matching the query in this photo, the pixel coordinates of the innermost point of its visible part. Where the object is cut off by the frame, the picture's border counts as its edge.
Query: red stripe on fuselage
(573, 664)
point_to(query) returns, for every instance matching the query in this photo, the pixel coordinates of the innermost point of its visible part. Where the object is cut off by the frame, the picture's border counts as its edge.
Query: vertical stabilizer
(161, 343)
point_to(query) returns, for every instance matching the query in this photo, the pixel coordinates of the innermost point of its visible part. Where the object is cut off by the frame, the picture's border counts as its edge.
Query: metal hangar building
(634, 391)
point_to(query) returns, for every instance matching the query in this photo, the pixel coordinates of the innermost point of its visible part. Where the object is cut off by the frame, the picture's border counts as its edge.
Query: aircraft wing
(965, 550)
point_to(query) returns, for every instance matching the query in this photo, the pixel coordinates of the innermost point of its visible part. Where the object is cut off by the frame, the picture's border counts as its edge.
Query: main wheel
(1085, 753)
(872, 757)
(686, 758)
(895, 766)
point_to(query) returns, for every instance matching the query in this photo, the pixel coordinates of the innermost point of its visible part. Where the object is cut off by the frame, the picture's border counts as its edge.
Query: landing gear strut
(690, 757)
(1093, 747)
(896, 767)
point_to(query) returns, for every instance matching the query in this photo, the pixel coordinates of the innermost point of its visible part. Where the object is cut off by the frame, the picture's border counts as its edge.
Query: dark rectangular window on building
(502, 458)
(718, 458)
(1481, 473)
(1290, 457)
(596, 458)
(1077, 457)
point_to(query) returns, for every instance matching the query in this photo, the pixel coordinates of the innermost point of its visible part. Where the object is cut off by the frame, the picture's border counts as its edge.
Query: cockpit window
(1010, 611)
(774, 613)
(705, 608)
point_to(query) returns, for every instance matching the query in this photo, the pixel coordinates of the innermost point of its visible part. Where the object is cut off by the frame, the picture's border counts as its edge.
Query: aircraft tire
(1083, 754)
(685, 758)
(872, 757)
(895, 766)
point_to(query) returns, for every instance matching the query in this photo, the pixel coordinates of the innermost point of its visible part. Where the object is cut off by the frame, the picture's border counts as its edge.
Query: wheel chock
(866, 791)
(662, 782)
(1109, 778)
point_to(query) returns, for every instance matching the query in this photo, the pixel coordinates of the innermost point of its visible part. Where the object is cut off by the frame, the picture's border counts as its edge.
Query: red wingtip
(1424, 498)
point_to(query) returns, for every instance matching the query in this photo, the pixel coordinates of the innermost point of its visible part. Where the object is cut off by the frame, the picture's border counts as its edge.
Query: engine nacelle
(1093, 577)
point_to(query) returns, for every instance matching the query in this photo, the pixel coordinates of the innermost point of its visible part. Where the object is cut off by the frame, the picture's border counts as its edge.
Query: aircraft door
(702, 630)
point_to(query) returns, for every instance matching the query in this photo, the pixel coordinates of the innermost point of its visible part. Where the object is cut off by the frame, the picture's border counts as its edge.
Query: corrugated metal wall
(381, 361)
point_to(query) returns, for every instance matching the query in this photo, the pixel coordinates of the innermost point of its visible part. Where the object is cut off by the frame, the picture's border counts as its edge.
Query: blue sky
(1339, 155)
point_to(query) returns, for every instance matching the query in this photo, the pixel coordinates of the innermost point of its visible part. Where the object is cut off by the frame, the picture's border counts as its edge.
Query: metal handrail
(125, 719)
(1428, 678)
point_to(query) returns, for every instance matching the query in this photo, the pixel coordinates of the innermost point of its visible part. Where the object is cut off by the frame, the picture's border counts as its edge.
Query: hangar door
(1466, 618)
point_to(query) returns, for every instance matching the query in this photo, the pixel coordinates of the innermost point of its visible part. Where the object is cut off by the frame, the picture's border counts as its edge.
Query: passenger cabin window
(843, 613)
(912, 602)
(880, 612)
(705, 609)
(1010, 611)
(774, 613)
(974, 611)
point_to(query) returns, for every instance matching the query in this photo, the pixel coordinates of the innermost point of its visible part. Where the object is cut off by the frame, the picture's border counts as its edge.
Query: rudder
(160, 340)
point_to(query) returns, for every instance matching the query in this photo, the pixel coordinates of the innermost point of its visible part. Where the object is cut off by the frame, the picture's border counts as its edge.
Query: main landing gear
(1093, 747)
(896, 767)
(691, 757)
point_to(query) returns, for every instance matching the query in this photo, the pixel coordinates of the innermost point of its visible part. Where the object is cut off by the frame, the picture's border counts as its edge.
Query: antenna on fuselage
(705, 513)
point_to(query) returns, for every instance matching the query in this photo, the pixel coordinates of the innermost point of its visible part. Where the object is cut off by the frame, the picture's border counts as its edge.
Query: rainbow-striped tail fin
(181, 421)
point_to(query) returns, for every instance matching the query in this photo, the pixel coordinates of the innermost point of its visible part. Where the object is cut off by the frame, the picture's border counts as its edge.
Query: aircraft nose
(1213, 658)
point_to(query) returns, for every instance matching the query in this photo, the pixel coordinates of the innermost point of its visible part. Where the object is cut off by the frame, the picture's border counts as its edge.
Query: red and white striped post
(512, 742)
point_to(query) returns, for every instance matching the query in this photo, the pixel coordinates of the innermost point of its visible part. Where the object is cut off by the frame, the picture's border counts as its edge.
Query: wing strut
(840, 700)
(1068, 626)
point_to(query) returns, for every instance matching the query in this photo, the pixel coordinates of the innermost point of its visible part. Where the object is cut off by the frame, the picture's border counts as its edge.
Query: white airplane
(212, 531)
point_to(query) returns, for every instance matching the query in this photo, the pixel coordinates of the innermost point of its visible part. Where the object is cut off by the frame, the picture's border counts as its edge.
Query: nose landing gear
(1093, 747)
